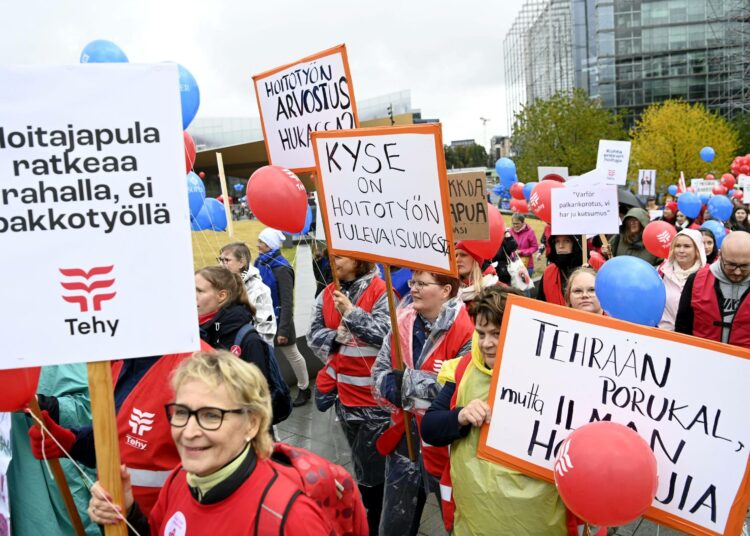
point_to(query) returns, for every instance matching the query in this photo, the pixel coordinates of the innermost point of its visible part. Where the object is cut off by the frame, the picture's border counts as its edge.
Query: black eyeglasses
(732, 267)
(209, 419)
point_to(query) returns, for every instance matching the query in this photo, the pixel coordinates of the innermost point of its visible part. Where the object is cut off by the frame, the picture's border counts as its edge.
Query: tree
(563, 130)
(741, 124)
(464, 156)
(668, 137)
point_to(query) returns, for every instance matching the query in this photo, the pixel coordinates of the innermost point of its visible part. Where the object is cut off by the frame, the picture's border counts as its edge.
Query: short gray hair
(518, 217)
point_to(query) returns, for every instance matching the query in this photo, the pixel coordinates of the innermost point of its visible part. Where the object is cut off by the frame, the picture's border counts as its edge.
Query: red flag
(681, 186)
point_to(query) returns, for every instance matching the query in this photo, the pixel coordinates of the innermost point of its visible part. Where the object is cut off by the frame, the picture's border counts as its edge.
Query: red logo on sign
(90, 284)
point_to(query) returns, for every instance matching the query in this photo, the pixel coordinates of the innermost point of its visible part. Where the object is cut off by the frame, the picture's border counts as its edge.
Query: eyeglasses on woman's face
(419, 285)
(210, 419)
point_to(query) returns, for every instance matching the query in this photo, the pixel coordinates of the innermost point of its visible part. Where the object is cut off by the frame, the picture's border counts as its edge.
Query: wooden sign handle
(62, 483)
(584, 249)
(399, 358)
(105, 437)
(225, 195)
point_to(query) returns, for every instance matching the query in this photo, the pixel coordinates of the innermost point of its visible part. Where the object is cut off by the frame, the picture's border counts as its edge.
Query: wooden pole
(605, 243)
(105, 437)
(225, 195)
(399, 358)
(62, 483)
(585, 249)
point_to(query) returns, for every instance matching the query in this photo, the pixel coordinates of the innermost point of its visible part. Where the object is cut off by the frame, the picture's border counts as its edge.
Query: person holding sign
(226, 483)
(279, 276)
(434, 327)
(687, 255)
(630, 239)
(580, 292)
(564, 256)
(346, 332)
(489, 498)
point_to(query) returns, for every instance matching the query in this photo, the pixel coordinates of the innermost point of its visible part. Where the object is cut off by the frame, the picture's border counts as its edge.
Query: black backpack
(281, 399)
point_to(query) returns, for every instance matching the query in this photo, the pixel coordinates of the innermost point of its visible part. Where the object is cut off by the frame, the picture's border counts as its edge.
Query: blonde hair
(571, 278)
(476, 276)
(245, 383)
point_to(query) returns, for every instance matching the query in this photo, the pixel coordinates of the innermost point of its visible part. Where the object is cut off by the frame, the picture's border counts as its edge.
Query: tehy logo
(563, 463)
(141, 421)
(92, 287)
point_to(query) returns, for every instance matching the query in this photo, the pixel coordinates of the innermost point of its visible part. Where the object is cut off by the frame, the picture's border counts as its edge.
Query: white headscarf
(271, 237)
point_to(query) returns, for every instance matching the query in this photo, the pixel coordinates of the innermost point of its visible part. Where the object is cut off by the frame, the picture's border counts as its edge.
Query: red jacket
(707, 317)
(553, 288)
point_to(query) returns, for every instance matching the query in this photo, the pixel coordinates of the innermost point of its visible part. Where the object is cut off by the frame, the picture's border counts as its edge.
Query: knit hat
(671, 206)
(464, 246)
(271, 237)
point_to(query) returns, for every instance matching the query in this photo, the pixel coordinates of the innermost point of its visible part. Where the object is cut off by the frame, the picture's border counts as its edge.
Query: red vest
(553, 289)
(447, 347)
(146, 445)
(707, 313)
(349, 368)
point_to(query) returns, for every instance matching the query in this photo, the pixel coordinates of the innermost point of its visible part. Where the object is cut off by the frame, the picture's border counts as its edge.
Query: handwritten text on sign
(687, 398)
(583, 209)
(90, 191)
(312, 94)
(468, 195)
(384, 196)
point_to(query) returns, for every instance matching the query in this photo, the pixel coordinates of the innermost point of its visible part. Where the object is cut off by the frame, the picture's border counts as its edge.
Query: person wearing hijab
(564, 256)
(709, 243)
(687, 255)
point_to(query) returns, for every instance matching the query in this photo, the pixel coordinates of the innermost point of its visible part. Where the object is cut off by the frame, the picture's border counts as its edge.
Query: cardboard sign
(687, 397)
(384, 196)
(314, 93)
(613, 159)
(703, 186)
(647, 182)
(582, 209)
(93, 215)
(468, 200)
(542, 171)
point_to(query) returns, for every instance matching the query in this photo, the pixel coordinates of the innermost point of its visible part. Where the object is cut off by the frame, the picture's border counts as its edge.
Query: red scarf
(202, 319)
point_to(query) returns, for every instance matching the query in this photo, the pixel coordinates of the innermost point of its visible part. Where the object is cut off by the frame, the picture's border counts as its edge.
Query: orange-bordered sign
(313, 93)
(384, 197)
(546, 383)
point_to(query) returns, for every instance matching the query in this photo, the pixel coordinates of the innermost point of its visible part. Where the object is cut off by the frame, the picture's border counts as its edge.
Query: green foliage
(668, 137)
(741, 124)
(464, 156)
(563, 130)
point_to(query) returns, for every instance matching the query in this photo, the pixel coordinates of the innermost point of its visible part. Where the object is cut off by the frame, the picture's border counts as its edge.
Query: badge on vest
(176, 526)
(140, 422)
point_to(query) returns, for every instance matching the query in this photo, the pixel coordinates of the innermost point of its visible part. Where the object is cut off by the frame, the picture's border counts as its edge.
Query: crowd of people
(410, 397)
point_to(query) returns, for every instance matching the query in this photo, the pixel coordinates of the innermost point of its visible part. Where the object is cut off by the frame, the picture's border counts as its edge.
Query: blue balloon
(101, 51)
(498, 190)
(238, 187)
(730, 193)
(704, 198)
(196, 193)
(708, 154)
(194, 225)
(720, 207)
(190, 96)
(672, 190)
(621, 285)
(308, 223)
(527, 189)
(505, 168)
(689, 204)
(717, 229)
(212, 215)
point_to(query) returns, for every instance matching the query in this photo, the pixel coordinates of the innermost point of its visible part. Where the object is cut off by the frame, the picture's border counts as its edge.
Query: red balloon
(487, 249)
(19, 387)
(606, 474)
(278, 198)
(516, 190)
(540, 201)
(738, 194)
(728, 181)
(719, 190)
(202, 174)
(657, 237)
(745, 169)
(596, 260)
(553, 177)
(519, 205)
(189, 151)
(710, 177)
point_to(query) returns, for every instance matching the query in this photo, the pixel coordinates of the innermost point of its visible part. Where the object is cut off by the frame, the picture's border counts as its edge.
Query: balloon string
(87, 479)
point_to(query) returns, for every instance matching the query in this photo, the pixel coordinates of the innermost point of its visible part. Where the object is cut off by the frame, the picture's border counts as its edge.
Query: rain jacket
(260, 296)
(527, 244)
(636, 249)
(672, 284)
(35, 502)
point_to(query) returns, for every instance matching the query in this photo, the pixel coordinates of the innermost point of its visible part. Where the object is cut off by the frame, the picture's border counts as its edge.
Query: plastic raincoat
(260, 296)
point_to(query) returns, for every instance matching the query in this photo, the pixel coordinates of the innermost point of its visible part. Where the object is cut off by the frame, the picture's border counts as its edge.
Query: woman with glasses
(581, 291)
(346, 332)
(687, 255)
(433, 327)
(236, 258)
(226, 483)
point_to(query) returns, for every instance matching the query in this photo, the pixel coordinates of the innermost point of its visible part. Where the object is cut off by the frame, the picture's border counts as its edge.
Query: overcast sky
(448, 53)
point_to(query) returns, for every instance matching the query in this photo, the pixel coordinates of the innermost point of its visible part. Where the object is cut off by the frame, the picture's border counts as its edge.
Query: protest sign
(5, 458)
(314, 93)
(647, 182)
(542, 171)
(320, 230)
(743, 181)
(384, 194)
(687, 397)
(468, 198)
(613, 159)
(585, 210)
(93, 212)
(703, 186)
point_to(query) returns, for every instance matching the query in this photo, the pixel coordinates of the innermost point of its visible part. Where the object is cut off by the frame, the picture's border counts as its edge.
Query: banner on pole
(468, 198)
(687, 397)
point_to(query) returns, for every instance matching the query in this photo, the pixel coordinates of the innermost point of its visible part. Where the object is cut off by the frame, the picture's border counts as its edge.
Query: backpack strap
(275, 503)
(242, 332)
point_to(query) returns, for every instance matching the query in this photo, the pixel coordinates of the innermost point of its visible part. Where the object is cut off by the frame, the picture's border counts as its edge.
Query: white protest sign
(94, 219)
(320, 230)
(581, 209)
(703, 186)
(743, 181)
(687, 397)
(314, 93)
(384, 193)
(594, 177)
(5, 457)
(543, 171)
(613, 159)
(647, 182)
